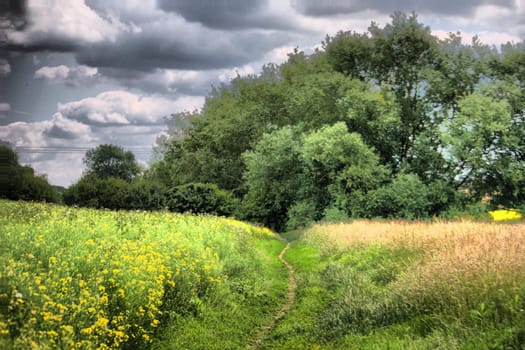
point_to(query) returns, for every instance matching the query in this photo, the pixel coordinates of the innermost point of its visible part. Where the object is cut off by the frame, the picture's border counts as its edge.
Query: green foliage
(19, 182)
(292, 178)
(109, 193)
(339, 169)
(313, 100)
(375, 115)
(144, 195)
(406, 197)
(450, 114)
(106, 161)
(200, 198)
(272, 177)
(301, 214)
(350, 53)
(79, 278)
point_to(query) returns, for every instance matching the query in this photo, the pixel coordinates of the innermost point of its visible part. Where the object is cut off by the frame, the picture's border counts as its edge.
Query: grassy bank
(76, 278)
(399, 285)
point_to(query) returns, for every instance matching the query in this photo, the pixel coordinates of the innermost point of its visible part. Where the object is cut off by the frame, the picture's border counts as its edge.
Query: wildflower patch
(77, 278)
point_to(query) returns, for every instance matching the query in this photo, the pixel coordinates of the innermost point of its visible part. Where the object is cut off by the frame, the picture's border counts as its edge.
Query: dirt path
(290, 299)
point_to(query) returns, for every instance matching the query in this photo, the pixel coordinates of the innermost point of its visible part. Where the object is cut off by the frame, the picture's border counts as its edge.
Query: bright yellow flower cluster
(505, 215)
(86, 279)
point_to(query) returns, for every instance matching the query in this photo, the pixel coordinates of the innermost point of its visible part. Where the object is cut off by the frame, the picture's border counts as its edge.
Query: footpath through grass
(87, 279)
(399, 285)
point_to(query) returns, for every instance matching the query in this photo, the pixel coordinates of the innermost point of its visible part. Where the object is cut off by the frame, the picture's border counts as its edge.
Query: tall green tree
(339, 169)
(107, 161)
(273, 177)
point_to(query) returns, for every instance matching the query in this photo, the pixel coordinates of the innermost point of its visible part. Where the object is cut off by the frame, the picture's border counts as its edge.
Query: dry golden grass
(458, 238)
(457, 257)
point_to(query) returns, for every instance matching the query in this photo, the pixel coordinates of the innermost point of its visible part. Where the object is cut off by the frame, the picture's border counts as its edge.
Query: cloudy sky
(78, 73)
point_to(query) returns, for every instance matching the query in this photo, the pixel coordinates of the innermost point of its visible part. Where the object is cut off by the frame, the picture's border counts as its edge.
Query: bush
(200, 198)
(301, 214)
(145, 195)
(406, 197)
(96, 193)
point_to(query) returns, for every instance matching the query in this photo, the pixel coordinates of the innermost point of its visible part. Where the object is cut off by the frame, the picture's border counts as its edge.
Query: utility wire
(60, 149)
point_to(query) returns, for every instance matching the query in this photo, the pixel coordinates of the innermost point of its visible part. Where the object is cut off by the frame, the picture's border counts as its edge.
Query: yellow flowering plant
(87, 279)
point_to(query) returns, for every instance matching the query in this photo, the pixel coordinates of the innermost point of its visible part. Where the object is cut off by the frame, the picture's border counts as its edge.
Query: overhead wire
(138, 150)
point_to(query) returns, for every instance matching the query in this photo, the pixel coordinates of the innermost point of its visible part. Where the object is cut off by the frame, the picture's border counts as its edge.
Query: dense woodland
(393, 122)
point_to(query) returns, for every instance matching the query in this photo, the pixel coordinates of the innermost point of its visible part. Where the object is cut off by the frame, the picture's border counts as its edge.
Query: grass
(407, 285)
(87, 279)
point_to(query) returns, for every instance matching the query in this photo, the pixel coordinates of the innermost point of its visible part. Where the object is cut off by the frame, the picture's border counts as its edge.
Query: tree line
(393, 122)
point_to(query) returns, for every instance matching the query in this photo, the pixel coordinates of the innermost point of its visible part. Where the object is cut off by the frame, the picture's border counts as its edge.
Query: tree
(375, 115)
(19, 182)
(272, 177)
(477, 140)
(339, 170)
(397, 58)
(107, 161)
(292, 177)
(200, 198)
(406, 197)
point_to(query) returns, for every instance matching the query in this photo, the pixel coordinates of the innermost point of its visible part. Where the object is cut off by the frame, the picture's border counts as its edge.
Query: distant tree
(107, 161)
(19, 182)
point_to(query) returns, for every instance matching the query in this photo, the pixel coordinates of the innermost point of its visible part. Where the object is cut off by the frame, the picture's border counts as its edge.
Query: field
(86, 279)
(401, 285)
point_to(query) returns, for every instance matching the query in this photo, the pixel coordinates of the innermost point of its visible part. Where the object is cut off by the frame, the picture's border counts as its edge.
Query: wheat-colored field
(460, 265)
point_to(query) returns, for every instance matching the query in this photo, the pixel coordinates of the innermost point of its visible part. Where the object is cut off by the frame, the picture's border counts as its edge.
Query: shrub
(200, 198)
(96, 193)
(405, 197)
(145, 195)
(301, 214)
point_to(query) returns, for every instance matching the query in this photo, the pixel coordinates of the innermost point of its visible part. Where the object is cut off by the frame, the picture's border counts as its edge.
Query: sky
(75, 74)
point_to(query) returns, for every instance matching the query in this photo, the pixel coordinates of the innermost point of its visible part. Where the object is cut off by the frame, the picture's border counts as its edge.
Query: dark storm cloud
(317, 8)
(226, 14)
(57, 132)
(13, 14)
(155, 49)
(160, 81)
(117, 37)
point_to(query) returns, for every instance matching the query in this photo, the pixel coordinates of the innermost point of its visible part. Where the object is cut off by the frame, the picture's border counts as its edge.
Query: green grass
(366, 295)
(232, 322)
(133, 280)
(78, 278)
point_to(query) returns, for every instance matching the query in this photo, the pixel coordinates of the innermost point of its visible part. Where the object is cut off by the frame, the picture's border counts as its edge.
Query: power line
(66, 149)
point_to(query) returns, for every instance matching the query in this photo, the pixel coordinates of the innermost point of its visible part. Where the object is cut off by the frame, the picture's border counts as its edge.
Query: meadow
(97, 279)
(86, 279)
(407, 285)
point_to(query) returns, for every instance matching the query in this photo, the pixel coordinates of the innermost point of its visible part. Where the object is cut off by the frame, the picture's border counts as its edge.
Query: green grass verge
(351, 299)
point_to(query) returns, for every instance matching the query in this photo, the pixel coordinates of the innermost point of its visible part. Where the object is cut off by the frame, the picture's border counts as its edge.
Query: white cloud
(52, 73)
(4, 107)
(5, 68)
(122, 108)
(62, 128)
(71, 76)
(64, 23)
(55, 169)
